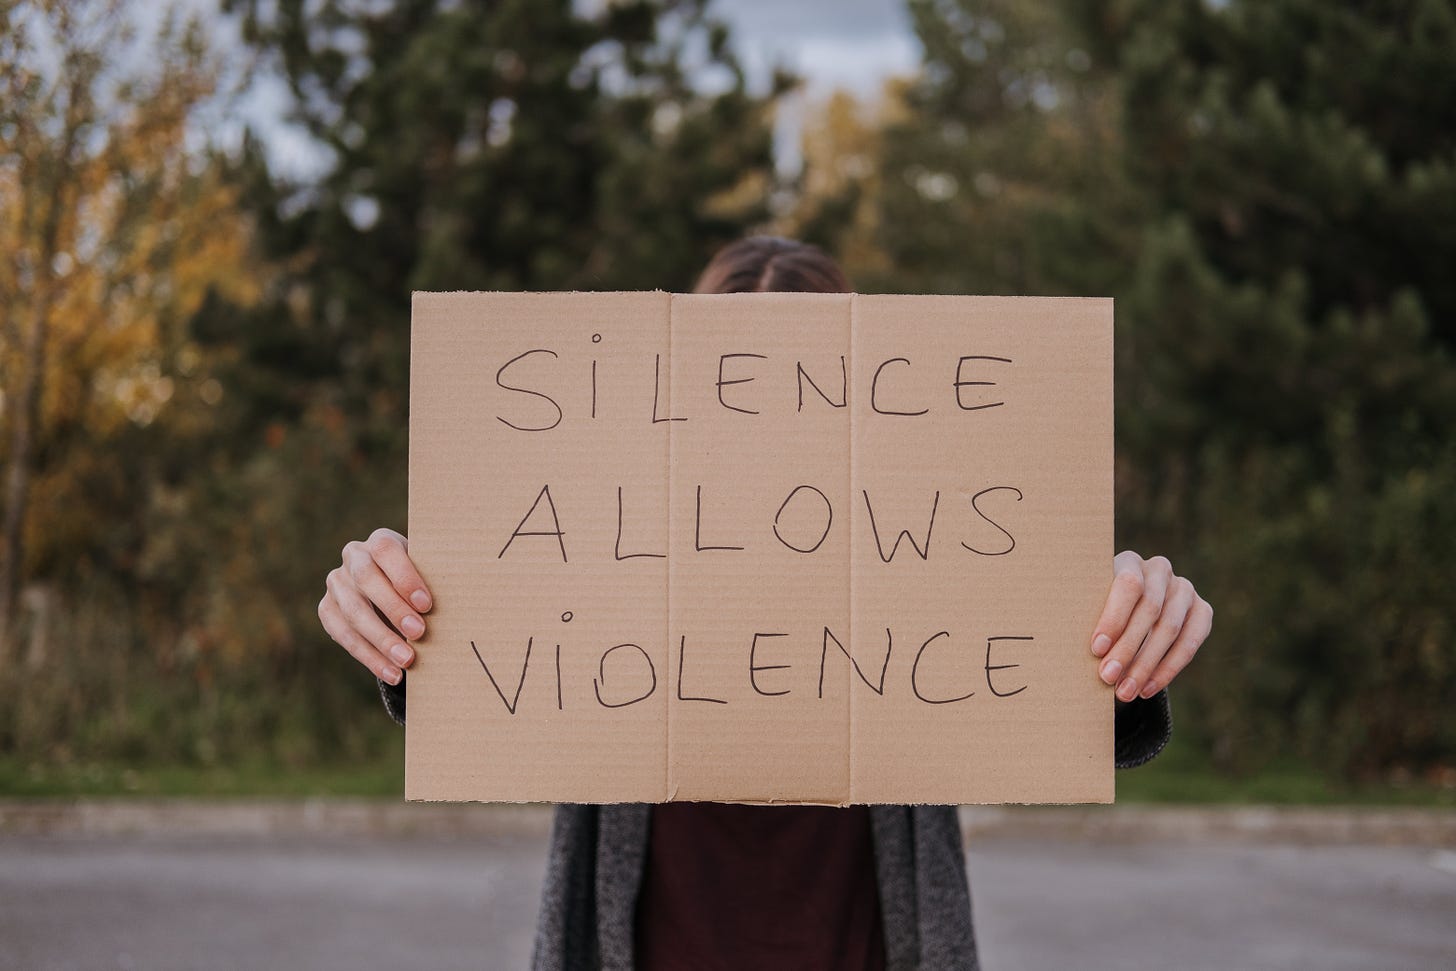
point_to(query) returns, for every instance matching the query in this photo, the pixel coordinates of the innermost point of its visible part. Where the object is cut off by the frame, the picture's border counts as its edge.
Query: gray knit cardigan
(594, 868)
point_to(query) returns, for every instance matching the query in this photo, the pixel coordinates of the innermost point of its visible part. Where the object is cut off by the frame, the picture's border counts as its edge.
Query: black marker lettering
(1009, 538)
(555, 522)
(960, 383)
(558, 678)
(878, 689)
(657, 390)
(601, 678)
(617, 549)
(875, 385)
(844, 385)
(924, 551)
(915, 671)
(537, 394)
(722, 383)
(828, 520)
(754, 667)
(1001, 667)
(698, 530)
(682, 651)
(510, 705)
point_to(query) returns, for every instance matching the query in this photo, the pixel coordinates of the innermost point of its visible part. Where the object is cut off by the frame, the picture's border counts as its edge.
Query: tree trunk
(25, 412)
(19, 471)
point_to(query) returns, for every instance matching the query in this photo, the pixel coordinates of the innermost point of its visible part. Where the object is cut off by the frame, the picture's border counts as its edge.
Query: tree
(1268, 188)
(1291, 325)
(997, 168)
(465, 145)
(113, 230)
(493, 145)
(839, 189)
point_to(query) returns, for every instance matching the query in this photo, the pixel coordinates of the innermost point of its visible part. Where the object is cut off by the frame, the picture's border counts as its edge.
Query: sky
(853, 45)
(850, 44)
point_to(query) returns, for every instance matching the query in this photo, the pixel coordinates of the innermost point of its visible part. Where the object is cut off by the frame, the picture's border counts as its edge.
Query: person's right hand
(373, 602)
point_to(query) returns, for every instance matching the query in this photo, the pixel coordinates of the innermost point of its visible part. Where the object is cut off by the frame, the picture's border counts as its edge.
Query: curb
(389, 818)
(268, 818)
(1297, 825)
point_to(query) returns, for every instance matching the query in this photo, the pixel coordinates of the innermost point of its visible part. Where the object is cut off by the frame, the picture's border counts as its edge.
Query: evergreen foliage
(1267, 187)
(475, 145)
(204, 359)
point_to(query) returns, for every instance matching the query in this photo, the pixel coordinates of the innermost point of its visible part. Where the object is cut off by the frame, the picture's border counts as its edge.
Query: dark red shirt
(764, 887)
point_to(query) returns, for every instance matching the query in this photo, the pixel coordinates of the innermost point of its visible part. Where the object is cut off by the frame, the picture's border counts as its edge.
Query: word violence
(626, 674)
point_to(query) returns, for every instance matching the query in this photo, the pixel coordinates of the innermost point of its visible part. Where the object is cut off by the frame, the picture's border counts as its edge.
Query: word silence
(773, 548)
(537, 410)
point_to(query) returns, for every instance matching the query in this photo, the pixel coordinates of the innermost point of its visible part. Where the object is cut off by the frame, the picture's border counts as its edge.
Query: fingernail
(420, 599)
(1127, 691)
(1100, 644)
(1110, 671)
(412, 627)
(392, 675)
(1149, 689)
(401, 653)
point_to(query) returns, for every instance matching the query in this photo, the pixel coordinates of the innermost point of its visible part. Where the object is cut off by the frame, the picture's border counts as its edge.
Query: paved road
(164, 902)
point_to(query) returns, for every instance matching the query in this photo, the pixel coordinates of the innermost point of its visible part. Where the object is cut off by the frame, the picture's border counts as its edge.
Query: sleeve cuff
(1142, 729)
(393, 696)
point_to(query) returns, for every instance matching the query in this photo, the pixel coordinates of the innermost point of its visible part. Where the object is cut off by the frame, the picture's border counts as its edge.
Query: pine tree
(465, 144)
(1268, 188)
(1291, 325)
(487, 145)
(997, 168)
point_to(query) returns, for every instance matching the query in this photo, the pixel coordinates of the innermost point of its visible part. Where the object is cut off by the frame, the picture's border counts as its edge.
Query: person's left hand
(1151, 627)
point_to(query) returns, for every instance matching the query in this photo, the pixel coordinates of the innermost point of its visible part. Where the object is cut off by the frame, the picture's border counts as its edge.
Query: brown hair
(772, 264)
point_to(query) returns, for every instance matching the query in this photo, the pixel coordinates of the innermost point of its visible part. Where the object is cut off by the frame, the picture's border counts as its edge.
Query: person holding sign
(711, 885)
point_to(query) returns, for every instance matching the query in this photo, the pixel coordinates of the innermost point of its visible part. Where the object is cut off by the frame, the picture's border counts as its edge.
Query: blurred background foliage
(204, 362)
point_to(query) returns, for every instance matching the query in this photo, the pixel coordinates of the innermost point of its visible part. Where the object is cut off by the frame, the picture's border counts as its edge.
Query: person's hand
(1151, 627)
(373, 602)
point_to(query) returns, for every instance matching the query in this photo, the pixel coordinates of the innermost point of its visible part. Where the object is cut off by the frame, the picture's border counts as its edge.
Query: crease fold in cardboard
(771, 548)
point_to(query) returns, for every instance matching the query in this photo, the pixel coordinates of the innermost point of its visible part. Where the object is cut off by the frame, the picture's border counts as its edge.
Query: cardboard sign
(789, 548)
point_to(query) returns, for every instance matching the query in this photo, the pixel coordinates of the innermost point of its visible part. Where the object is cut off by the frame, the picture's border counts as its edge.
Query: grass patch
(381, 776)
(1181, 775)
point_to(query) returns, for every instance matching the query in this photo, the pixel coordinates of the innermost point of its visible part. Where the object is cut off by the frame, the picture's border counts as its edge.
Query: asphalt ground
(219, 886)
